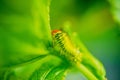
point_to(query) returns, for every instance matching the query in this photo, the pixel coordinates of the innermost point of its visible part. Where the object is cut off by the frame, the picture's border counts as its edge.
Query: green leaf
(24, 72)
(24, 31)
(52, 69)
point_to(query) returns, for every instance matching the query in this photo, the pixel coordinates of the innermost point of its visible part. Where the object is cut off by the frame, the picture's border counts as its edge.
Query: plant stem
(85, 72)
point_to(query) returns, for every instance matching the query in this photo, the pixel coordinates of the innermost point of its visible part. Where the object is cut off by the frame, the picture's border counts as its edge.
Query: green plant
(26, 45)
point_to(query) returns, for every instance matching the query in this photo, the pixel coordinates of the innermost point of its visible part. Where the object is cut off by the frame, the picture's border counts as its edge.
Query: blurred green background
(25, 29)
(97, 23)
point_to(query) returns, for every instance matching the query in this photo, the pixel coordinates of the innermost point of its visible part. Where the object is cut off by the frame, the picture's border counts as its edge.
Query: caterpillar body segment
(63, 44)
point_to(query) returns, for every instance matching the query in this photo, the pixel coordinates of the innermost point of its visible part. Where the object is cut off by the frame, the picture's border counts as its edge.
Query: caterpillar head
(55, 31)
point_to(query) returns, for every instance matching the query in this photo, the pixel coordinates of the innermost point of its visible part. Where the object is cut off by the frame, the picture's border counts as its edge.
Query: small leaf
(52, 69)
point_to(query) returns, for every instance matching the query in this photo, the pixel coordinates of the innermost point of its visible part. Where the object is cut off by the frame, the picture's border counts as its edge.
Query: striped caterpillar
(89, 65)
(63, 44)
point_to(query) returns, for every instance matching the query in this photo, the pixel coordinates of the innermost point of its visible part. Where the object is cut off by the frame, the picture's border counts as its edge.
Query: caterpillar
(64, 45)
(89, 65)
